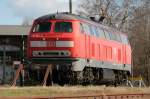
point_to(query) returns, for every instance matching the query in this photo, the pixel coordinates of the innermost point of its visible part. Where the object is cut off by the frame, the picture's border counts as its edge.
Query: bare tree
(140, 37)
(116, 13)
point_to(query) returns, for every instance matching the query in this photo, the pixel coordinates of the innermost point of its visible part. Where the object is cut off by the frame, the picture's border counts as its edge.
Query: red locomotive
(82, 51)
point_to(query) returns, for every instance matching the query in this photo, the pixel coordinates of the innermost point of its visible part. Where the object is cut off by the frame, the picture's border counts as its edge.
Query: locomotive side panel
(80, 41)
(101, 53)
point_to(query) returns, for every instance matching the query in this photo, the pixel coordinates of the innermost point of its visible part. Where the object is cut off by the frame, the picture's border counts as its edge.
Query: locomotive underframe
(83, 71)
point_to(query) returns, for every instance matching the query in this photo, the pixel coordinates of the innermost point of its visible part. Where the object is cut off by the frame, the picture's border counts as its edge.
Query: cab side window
(107, 34)
(124, 39)
(118, 38)
(101, 33)
(81, 28)
(86, 29)
(113, 36)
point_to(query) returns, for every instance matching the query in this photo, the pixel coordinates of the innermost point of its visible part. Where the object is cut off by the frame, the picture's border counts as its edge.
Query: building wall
(12, 46)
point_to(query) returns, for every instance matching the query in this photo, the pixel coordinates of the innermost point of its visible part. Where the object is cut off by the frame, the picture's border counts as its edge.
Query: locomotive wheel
(63, 78)
(88, 76)
(125, 76)
(121, 77)
(60, 79)
(98, 75)
(75, 78)
(72, 76)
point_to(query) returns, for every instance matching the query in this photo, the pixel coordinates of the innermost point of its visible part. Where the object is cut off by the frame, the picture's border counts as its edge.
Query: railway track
(116, 96)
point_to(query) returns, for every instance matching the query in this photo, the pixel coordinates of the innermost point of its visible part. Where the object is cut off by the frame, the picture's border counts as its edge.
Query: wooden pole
(48, 71)
(18, 72)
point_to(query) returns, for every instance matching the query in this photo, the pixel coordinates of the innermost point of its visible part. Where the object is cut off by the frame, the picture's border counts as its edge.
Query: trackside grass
(69, 91)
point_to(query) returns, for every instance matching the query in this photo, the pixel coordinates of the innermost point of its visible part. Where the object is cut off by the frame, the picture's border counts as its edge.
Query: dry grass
(68, 91)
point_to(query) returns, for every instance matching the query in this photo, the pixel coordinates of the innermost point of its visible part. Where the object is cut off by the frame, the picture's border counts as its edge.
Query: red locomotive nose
(47, 38)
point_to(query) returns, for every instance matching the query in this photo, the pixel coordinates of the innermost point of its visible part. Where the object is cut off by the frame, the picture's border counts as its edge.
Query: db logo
(51, 43)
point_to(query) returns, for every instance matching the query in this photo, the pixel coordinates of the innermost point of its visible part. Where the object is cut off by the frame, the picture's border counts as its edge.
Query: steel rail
(114, 96)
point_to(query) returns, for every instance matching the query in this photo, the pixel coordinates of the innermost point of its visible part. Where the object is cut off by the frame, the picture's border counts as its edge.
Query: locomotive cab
(52, 40)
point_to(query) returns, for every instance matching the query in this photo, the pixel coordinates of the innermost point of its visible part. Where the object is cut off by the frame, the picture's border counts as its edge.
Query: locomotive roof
(69, 16)
(63, 16)
(66, 16)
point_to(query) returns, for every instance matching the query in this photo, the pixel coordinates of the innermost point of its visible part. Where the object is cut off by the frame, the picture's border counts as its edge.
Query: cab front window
(42, 27)
(63, 27)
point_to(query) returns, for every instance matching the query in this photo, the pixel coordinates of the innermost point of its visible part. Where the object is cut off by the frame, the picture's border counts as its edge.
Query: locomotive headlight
(52, 53)
(64, 43)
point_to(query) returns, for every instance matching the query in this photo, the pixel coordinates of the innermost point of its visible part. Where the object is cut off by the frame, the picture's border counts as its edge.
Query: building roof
(14, 30)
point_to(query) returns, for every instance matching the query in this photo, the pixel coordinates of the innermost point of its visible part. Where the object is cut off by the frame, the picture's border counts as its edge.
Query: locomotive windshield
(63, 27)
(42, 27)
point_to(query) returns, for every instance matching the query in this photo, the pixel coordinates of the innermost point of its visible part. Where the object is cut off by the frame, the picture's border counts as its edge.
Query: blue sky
(6, 16)
(12, 12)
